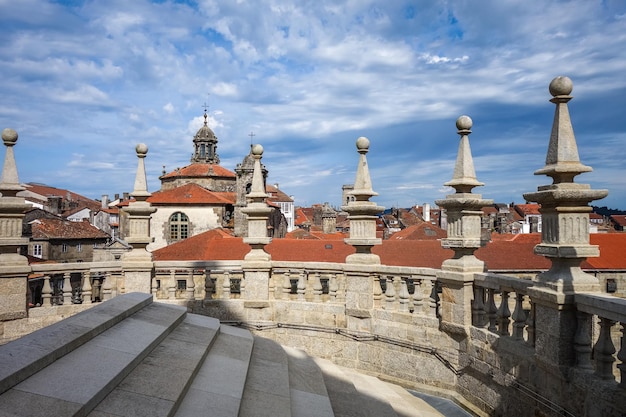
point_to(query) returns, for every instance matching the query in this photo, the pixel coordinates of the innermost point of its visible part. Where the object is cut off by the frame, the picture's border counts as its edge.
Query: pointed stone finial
(463, 209)
(140, 190)
(562, 161)
(565, 204)
(362, 212)
(9, 184)
(363, 183)
(138, 261)
(257, 212)
(464, 178)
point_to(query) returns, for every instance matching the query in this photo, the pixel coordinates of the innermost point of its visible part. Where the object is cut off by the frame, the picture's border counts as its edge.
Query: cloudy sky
(84, 81)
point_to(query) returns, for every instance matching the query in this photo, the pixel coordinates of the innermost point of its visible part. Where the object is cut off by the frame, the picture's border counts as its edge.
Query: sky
(83, 82)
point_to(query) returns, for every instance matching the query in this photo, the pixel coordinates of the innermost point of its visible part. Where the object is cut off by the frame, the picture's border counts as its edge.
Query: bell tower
(205, 145)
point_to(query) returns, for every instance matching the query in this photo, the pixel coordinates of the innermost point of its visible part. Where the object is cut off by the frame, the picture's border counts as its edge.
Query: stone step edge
(26, 356)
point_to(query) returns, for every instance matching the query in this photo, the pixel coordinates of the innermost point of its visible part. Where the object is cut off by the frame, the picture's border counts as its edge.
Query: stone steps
(132, 357)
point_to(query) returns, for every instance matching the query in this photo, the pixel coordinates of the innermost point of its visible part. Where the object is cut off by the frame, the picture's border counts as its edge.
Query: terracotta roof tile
(201, 170)
(421, 231)
(191, 194)
(503, 253)
(63, 229)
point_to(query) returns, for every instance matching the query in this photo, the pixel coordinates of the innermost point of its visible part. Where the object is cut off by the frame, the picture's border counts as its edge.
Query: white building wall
(201, 219)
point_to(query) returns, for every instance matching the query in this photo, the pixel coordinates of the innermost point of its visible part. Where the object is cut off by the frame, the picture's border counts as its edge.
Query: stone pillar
(362, 215)
(14, 267)
(463, 210)
(256, 265)
(362, 212)
(564, 238)
(137, 264)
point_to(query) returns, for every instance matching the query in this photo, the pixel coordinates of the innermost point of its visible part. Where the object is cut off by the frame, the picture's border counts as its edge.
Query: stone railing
(74, 283)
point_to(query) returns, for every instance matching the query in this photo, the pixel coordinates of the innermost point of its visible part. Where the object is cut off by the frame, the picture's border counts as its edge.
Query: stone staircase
(132, 357)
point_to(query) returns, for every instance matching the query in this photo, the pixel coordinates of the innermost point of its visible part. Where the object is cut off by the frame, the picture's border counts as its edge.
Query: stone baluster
(403, 296)
(171, 285)
(362, 213)
(564, 237)
(242, 286)
(621, 355)
(154, 288)
(378, 291)
(582, 341)
(530, 326)
(67, 289)
(86, 290)
(519, 317)
(504, 315)
(191, 286)
(433, 297)
(226, 286)
(46, 292)
(107, 287)
(604, 350)
(302, 286)
(209, 287)
(492, 311)
(464, 213)
(121, 284)
(390, 294)
(272, 284)
(333, 287)
(479, 316)
(317, 287)
(286, 285)
(342, 284)
(418, 296)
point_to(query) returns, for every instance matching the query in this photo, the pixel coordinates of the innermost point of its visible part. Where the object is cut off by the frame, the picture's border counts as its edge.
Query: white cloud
(304, 76)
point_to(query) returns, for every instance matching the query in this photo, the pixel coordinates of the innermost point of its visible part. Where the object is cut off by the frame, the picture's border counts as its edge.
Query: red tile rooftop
(503, 253)
(191, 194)
(201, 170)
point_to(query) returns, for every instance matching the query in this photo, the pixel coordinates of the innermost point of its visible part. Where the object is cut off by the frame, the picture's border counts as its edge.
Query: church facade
(202, 195)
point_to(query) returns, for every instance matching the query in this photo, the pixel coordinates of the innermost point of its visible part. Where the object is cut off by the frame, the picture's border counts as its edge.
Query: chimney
(105, 201)
(426, 212)
(117, 196)
(126, 196)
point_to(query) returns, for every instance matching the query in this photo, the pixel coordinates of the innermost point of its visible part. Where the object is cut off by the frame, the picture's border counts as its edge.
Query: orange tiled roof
(275, 194)
(302, 217)
(528, 209)
(212, 244)
(503, 253)
(63, 229)
(421, 231)
(191, 194)
(619, 219)
(201, 170)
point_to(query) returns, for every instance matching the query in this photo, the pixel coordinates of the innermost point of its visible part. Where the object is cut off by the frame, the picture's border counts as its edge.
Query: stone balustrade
(549, 345)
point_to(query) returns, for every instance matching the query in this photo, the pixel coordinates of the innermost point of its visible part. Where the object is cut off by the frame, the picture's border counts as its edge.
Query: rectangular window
(37, 251)
(64, 248)
(79, 247)
(174, 232)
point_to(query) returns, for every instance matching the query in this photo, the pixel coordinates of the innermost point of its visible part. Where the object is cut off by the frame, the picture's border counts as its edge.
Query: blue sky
(84, 81)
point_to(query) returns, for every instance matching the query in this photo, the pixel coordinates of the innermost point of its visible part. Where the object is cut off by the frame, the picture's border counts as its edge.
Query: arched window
(179, 226)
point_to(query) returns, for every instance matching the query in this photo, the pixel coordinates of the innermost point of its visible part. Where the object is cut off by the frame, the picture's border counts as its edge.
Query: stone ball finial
(9, 136)
(362, 144)
(464, 123)
(257, 150)
(141, 149)
(561, 86)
